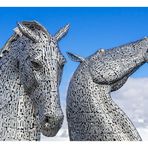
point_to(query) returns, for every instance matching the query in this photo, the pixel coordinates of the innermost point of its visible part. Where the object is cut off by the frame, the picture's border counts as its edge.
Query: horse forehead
(50, 51)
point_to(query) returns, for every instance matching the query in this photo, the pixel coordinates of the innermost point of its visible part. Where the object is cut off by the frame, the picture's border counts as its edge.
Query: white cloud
(143, 133)
(132, 98)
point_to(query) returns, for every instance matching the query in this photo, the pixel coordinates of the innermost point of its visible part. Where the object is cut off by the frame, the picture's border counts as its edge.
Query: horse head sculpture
(32, 61)
(91, 112)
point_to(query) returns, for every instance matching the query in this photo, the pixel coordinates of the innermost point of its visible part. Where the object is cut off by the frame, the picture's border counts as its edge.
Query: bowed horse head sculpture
(91, 112)
(31, 69)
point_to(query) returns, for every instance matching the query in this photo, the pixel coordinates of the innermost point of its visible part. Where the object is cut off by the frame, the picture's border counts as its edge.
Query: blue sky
(91, 29)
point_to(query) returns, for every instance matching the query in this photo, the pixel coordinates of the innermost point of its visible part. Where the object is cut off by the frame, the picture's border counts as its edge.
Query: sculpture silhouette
(31, 66)
(91, 112)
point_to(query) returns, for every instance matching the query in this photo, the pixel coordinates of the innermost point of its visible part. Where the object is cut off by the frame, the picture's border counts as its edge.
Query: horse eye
(36, 65)
(62, 65)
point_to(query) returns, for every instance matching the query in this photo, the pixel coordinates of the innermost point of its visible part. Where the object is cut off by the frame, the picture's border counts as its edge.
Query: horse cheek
(28, 79)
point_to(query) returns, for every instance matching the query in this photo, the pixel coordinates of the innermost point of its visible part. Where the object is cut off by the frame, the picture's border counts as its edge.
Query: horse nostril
(47, 124)
(46, 119)
(52, 120)
(51, 124)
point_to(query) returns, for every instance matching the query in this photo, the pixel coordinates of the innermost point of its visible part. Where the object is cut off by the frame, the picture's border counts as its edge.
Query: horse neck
(16, 106)
(84, 93)
(85, 96)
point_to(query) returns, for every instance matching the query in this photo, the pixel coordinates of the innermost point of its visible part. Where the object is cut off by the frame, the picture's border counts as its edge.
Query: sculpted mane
(6, 47)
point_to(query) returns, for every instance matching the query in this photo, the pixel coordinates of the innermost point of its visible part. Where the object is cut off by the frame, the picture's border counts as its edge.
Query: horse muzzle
(51, 124)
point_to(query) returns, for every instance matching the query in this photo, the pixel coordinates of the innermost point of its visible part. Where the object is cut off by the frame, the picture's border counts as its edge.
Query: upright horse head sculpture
(91, 112)
(31, 66)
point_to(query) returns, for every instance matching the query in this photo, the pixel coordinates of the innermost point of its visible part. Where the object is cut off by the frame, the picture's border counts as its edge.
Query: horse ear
(62, 32)
(75, 57)
(28, 32)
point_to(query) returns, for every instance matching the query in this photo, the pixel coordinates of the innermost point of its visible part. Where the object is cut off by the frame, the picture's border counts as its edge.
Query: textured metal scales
(91, 112)
(31, 66)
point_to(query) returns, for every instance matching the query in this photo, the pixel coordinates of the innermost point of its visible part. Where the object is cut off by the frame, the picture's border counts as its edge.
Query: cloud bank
(133, 99)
